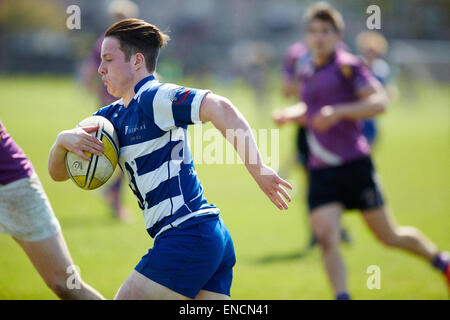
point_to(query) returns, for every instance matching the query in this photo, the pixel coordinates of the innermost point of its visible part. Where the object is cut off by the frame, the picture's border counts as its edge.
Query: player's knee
(327, 244)
(388, 239)
(401, 234)
(326, 238)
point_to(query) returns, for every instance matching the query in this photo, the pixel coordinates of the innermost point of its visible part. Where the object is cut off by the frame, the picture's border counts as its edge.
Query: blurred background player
(26, 215)
(338, 91)
(117, 10)
(297, 56)
(372, 47)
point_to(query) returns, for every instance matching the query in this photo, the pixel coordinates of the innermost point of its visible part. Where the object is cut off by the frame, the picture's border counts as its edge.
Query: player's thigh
(25, 212)
(381, 221)
(50, 256)
(139, 287)
(209, 295)
(325, 220)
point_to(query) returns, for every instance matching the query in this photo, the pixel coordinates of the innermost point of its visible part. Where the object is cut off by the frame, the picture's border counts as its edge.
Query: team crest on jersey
(178, 95)
(346, 71)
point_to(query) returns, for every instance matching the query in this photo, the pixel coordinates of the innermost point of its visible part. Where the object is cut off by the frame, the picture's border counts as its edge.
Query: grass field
(413, 157)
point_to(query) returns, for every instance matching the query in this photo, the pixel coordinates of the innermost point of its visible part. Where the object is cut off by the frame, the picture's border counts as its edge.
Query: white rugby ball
(91, 174)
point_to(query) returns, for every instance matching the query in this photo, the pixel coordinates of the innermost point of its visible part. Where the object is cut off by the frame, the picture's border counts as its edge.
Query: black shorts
(352, 184)
(302, 147)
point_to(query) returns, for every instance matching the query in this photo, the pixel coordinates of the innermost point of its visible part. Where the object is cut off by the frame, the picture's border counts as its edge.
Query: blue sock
(342, 296)
(439, 262)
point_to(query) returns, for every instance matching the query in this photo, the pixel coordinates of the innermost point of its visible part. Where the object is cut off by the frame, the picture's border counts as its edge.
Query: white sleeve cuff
(195, 106)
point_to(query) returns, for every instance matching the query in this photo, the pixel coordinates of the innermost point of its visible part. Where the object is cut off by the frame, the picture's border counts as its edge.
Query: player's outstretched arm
(77, 141)
(233, 126)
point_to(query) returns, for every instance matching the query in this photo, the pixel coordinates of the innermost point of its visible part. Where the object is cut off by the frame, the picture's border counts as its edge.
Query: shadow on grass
(283, 257)
(273, 258)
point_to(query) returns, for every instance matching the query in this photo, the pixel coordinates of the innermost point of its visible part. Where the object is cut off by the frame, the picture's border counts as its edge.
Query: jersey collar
(142, 82)
(331, 60)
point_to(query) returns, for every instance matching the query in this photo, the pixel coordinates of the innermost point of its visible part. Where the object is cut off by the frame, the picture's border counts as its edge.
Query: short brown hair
(324, 12)
(137, 35)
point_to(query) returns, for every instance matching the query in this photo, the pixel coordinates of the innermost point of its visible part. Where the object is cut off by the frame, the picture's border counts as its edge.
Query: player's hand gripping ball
(91, 174)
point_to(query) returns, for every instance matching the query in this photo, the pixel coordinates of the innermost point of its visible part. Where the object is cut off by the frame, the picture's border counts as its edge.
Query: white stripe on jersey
(162, 107)
(195, 110)
(320, 152)
(164, 208)
(151, 180)
(182, 219)
(145, 87)
(119, 101)
(136, 150)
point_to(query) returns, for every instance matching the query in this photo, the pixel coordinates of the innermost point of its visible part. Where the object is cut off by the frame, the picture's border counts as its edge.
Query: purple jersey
(334, 83)
(14, 164)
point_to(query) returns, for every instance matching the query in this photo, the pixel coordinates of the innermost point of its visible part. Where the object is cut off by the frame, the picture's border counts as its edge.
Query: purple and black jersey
(334, 83)
(14, 164)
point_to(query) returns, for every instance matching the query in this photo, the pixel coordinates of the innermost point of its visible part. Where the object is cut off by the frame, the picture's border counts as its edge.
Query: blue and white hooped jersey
(154, 152)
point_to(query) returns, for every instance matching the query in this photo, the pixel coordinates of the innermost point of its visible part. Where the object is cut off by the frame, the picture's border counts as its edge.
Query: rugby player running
(339, 91)
(193, 254)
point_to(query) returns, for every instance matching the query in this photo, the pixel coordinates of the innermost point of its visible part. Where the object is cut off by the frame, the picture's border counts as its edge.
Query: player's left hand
(326, 118)
(279, 117)
(272, 185)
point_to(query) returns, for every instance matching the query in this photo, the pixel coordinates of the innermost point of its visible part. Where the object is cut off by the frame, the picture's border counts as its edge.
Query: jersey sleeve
(99, 112)
(103, 112)
(177, 106)
(362, 76)
(288, 67)
(106, 112)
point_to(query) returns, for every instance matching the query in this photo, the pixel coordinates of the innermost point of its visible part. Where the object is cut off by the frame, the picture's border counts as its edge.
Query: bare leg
(139, 287)
(51, 258)
(383, 225)
(325, 222)
(209, 295)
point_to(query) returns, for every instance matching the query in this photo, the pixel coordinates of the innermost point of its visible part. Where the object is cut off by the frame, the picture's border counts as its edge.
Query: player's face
(321, 37)
(117, 74)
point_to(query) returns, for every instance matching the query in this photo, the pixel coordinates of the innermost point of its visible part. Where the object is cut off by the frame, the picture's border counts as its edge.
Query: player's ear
(138, 61)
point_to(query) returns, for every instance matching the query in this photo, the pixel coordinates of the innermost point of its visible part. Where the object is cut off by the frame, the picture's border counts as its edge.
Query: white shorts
(25, 212)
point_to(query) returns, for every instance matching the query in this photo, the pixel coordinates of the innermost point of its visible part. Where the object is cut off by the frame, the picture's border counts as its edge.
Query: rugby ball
(92, 174)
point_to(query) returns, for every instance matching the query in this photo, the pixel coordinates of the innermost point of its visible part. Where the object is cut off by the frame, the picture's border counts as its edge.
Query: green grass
(412, 156)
